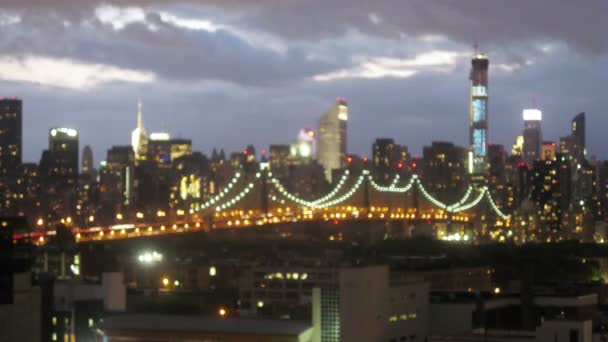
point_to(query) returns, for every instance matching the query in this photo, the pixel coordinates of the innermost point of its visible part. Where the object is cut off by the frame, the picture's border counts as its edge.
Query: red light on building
(365, 159)
(349, 160)
(245, 152)
(414, 165)
(342, 101)
(399, 165)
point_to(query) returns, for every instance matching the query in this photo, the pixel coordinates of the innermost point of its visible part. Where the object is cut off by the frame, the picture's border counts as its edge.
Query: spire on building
(139, 136)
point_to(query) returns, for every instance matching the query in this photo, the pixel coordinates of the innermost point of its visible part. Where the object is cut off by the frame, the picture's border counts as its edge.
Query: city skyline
(289, 79)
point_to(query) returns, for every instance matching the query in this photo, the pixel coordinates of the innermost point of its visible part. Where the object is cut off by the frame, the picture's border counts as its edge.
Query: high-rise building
(332, 137)
(63, 153)
(388, 159)
(391, 310)
(159, 148)
(180, 148)
(308, 135)
(578, 131)
(117, 182)
(478, 117)
(87, 161)
(518, 147)
(444, 171)
(551, 193)
(10, 135)
(548, 150)
(532, 135)
(139, 136)
(279, 161)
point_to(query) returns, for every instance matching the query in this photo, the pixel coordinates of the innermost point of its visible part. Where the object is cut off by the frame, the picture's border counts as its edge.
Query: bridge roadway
(239, 219)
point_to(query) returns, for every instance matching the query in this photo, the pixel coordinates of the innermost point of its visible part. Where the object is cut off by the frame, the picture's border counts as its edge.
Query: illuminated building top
(139, 136)
(532, 115)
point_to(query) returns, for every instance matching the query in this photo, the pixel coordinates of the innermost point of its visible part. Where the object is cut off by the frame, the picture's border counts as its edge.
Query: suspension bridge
(260, 199)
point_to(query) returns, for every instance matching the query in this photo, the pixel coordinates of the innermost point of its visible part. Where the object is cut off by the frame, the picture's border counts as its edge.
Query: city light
(222, 312)
(166, 281)
(150, 257)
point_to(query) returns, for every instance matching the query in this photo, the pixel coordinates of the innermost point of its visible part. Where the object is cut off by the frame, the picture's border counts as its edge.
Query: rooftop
(203, 324)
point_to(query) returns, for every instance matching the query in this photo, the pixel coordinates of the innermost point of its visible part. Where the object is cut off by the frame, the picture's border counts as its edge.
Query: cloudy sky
(226, 73)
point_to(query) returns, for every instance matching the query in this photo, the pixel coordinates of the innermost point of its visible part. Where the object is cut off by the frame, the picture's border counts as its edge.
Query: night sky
(227, 73)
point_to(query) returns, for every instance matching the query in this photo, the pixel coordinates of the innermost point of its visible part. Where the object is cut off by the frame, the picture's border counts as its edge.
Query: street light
(119, 216)
(165, 281)
(40, 222)
(222, 312)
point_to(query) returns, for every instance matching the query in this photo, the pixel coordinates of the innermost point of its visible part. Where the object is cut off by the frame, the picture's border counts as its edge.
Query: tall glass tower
(478, 117)
(332, 137)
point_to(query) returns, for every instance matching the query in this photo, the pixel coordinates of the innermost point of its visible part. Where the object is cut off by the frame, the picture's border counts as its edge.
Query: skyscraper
(388, 159)
(578, 133)
(478, 117)
(444, 170)
(532, 135)
(63, 153)
(332, 137)
(139, 136)
(10, 135)
(87, 161)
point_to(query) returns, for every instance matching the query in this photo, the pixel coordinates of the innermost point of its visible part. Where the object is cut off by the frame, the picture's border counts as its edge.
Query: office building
(116, 178)
(388, 160)
(478, 117)
(11, 144)
(333, 137)
(548, 150)
(551, 193)
(364, 305)
(308, 135)
(159, 149)
(532, 135)
(88, 168)
(444, 171)
(180, 148)
(63, 153)
(578, 131)
(279, 160)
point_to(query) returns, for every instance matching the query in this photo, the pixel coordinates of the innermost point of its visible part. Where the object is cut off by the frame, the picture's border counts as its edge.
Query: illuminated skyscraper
(63, 153)
(332, 137)
(578, 133)
(87, 161)
(532, 135)
(478, 117)
(139, 136)
(10, 135)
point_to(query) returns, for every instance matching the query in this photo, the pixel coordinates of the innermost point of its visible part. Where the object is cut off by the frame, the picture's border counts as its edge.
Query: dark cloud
(170, 51)
(582, 25)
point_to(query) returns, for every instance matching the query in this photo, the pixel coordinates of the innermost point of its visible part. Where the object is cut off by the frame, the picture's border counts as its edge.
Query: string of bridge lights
(347, 195)
(393, 187)
(222, 193)
(495, 208)
(238, 196)
(472, 203)
(311, 204)
(330, 200)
